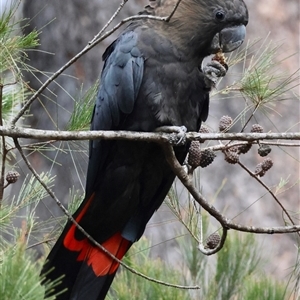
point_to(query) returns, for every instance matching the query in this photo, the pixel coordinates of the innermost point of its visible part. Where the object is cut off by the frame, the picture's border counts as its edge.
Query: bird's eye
(220, 15)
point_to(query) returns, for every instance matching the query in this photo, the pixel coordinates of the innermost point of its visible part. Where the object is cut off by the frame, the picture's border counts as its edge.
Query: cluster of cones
(203, 158)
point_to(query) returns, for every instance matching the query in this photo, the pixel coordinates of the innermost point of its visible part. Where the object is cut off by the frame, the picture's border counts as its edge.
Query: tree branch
(225, 222)
(20, 132)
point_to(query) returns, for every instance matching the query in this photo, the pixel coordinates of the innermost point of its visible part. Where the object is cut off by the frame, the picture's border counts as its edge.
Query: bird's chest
(172, 91)
(175, 94)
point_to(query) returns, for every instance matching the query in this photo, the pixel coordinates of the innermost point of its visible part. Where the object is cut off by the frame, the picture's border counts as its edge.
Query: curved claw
(213, 71)
(178, 136)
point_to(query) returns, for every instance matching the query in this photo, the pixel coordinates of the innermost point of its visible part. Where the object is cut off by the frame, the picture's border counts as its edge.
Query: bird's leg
(178, 136)
(214, 70)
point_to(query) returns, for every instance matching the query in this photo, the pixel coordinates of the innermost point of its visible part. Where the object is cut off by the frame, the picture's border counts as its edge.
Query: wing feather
(121, 80)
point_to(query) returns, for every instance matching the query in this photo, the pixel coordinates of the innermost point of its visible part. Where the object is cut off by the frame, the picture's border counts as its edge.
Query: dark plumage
(152, 77)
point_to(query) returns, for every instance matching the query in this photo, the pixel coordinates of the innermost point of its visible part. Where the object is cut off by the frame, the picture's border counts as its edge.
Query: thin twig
(173, 11)
(251, 116)
(201, 246)
(269, 191)
(41, 242)
(3, 161)
(4, 187)
(33, 146)
(96, 37)
(222, 147)
(280, 144)
(3, 150)
(70, 217)
(176, 212)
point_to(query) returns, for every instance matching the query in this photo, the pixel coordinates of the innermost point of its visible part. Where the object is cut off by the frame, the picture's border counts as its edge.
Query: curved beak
(228, 39)
(231, 38)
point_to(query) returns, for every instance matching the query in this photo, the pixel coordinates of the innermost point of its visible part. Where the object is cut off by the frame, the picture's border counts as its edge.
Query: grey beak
(231, 38)
(228, 39)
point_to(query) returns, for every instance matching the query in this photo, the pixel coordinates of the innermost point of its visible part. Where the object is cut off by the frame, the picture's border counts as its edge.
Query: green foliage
(223, 278)
(294, 278)
(76, 199)
(234, 273)
(19, 267)
(186, 213)
(13, 57)
(262, 82)
(30, 194)
(12, 43)
(11, 99)
(235, 262)
(19, 274)
(264, 288)
(130, 286)
(15, 282)
(82, 113)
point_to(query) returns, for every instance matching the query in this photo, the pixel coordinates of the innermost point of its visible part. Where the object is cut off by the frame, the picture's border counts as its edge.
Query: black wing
(119, 87)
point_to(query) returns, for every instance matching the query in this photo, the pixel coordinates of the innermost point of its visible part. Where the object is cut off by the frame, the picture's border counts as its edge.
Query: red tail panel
(100, 262)
(70, 241)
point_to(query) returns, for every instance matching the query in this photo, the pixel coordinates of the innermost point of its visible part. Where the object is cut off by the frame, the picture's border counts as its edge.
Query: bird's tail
(86, 269)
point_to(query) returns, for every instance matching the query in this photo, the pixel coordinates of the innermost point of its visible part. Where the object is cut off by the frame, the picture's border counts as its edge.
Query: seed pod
(12, 176)
(257, 128)
(259, 171)
(267, 164)
(243, 149)
(264, 150)
(220, 57)
(233, 147)
(207, 157)
(232, 157)
(213, 241)
(225, 123)
(204, 129)
(194, 154)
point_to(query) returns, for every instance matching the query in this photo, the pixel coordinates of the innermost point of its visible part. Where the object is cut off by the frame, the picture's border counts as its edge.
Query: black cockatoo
(152, 77)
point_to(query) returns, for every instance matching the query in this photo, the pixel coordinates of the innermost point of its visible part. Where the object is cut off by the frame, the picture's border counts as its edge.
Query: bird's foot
(213, 71)
(178, 134)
